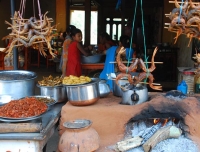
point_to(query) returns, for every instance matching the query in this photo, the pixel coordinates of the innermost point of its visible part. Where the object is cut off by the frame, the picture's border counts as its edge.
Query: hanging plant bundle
(32, 32)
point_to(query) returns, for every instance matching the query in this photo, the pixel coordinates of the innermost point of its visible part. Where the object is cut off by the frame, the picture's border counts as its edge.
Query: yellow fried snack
(72, 80)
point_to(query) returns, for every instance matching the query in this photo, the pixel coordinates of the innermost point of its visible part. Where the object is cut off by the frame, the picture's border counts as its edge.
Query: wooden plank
(20, 127)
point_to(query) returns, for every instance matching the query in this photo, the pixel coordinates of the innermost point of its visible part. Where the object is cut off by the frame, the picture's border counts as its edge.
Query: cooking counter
(91, 66)
(32, 142)
(107, 115)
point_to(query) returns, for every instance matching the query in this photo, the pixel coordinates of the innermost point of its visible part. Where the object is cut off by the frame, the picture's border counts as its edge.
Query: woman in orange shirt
(66, 43)
(105, 42)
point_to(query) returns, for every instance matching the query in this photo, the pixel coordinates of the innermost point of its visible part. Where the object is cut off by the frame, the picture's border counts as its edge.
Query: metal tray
(47, 97)
(10, 119)
(22, 120)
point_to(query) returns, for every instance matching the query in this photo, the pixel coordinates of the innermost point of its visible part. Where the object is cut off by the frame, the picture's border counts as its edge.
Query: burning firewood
(160, 135)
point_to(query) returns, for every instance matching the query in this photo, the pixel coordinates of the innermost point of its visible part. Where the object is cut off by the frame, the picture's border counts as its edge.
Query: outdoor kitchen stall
(90, 116)
(131, 118)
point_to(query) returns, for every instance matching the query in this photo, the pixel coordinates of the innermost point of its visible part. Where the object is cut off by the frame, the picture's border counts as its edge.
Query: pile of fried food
(73, 80)
(23, 108)
(51, 81)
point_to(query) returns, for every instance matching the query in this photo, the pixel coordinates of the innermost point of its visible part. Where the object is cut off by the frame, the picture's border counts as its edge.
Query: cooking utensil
(83, 94)
(11, 119)
(58, 93)
(92, 59)
(17, 83)
(50, 101)
(103, 88)
(136, 95)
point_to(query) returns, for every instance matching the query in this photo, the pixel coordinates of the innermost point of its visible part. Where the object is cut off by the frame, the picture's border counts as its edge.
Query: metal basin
(84, 94)
(92, 59)
(17, 83)
(58, 93)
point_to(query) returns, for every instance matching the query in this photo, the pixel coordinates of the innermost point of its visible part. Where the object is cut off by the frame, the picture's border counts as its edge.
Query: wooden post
(87, 21)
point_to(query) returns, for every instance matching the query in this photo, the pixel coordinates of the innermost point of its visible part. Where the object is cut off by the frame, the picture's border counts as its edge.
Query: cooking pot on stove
(135, 95)
(117, 91)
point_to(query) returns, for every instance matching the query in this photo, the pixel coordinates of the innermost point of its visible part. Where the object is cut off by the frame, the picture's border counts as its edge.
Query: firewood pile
(185, 19)
(32, 32)
(148, 140)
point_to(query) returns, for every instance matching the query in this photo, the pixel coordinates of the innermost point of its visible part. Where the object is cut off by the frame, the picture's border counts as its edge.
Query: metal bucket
(17, 83)
(58, 93)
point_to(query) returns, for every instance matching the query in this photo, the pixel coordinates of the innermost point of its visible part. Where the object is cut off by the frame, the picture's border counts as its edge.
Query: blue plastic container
(182, 87)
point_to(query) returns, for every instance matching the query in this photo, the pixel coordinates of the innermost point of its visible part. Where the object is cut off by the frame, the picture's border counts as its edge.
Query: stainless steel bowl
(92, 59)
(17, 83)
(83, 94)
(58, 93)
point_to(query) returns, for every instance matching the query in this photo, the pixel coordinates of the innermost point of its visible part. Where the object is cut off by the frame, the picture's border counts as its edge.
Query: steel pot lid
(17, 75)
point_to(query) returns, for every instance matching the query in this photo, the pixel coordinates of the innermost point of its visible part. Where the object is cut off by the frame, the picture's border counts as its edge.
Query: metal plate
(24, 118)
(21, 120)
(39, 97)
(77, 124)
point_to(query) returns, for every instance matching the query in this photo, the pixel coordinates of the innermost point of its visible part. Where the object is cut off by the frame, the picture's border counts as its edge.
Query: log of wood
(128, 144)
(20, 127)
(160, 135)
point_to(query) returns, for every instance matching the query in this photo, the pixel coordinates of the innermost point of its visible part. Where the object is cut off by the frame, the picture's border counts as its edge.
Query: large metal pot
(83, 94)
(117, 91)
(58, 93)
(17, 83)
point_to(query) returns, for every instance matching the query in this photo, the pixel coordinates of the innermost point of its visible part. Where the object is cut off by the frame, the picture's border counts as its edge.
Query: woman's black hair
(125, 40)
(105, 35)
(64, 34)
(70, 28)
(75, 31)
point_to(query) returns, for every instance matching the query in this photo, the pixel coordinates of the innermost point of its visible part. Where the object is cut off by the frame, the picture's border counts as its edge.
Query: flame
(164, 122)
(156, 120)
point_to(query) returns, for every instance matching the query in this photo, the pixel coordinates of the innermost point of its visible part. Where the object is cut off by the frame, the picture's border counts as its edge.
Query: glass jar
(188, 76)
(197, 83)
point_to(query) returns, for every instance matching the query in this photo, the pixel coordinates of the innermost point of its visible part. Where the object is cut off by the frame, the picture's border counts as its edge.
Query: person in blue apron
(111, 54)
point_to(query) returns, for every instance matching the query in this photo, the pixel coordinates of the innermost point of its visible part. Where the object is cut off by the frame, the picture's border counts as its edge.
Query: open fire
(167, 123)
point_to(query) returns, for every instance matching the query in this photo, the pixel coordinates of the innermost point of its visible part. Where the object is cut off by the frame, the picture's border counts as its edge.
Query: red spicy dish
(23, 108)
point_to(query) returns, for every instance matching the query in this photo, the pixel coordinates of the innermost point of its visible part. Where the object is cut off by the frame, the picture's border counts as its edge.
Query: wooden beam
(87, 21)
